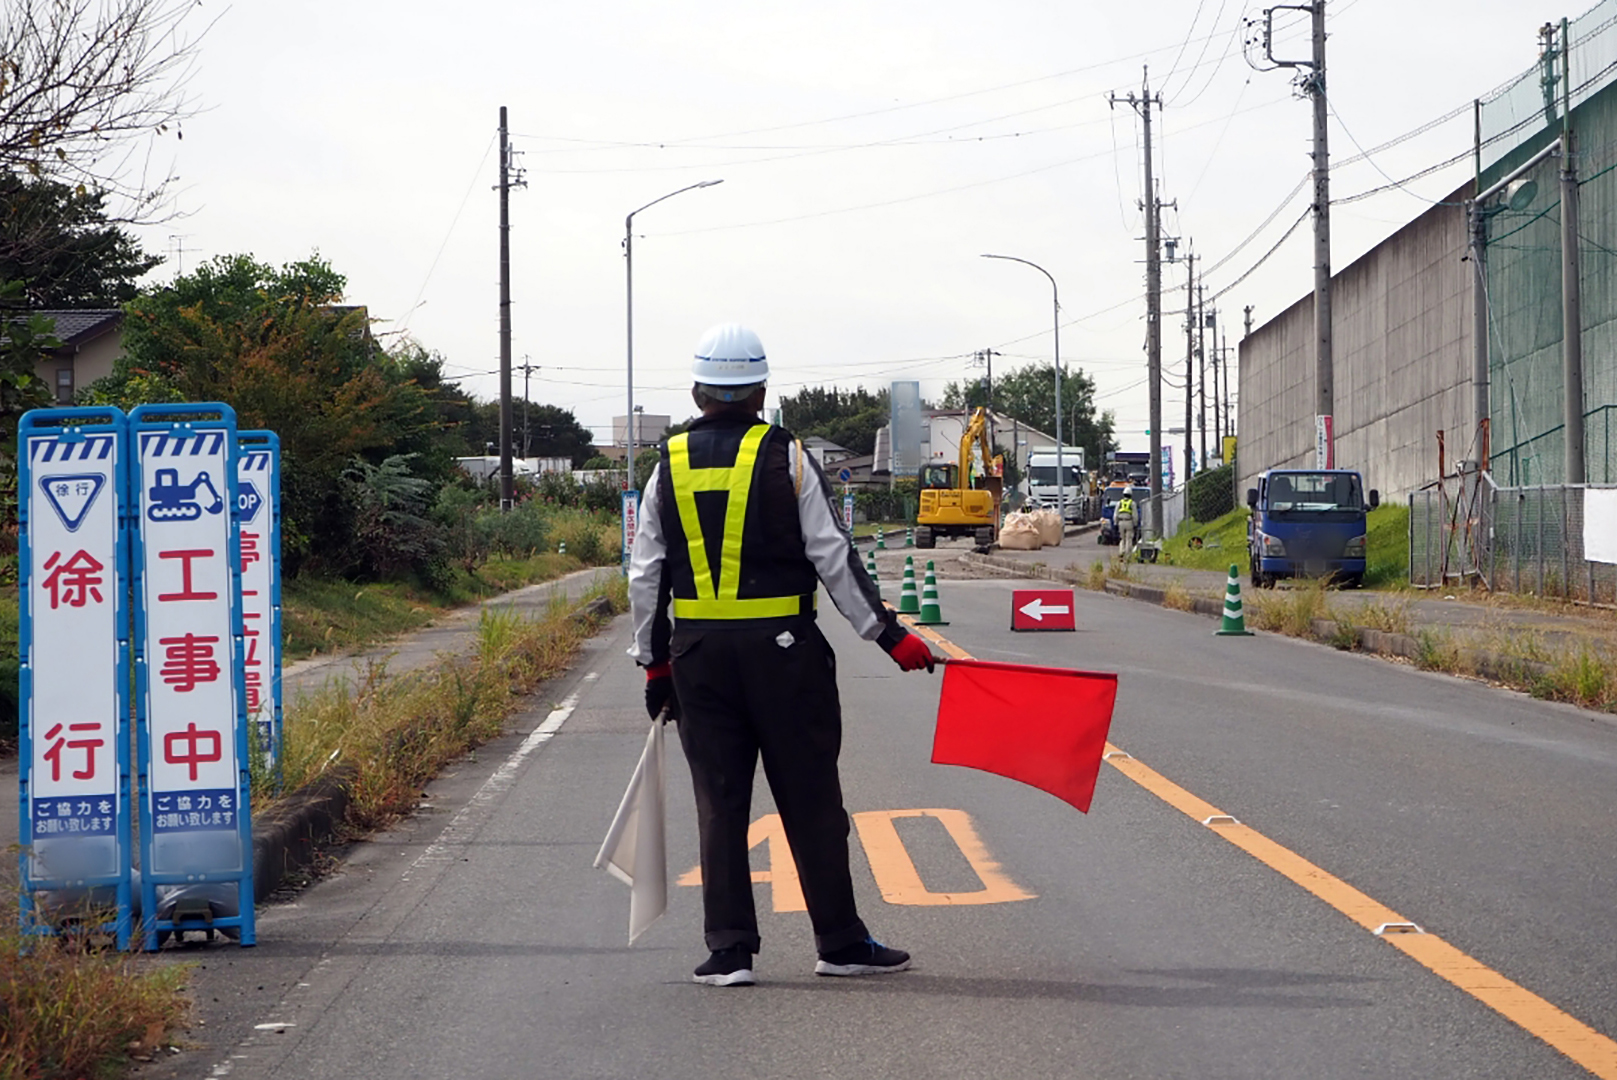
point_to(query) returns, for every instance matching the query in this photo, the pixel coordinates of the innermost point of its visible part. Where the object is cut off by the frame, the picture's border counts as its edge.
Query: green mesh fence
(1524, 259)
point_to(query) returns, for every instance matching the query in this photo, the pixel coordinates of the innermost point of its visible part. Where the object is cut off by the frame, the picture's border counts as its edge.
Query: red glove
(660, 691)
(912, 654)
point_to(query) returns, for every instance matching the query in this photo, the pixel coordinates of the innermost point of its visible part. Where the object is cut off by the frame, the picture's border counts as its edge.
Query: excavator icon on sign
(171, 500)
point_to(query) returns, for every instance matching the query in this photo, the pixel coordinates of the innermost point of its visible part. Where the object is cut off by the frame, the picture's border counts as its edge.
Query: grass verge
(396, 733)
(69, 1012)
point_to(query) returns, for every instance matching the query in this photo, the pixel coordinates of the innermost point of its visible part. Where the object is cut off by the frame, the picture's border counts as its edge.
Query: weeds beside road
(395, 733)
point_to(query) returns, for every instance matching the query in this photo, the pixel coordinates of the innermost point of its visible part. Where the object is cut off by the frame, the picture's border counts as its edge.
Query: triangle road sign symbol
(72, 496)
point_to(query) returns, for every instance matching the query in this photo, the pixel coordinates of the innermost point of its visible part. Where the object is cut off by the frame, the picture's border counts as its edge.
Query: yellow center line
(1583, 1044)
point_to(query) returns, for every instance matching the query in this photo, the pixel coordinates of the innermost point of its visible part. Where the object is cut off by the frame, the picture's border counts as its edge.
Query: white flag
(635, 849)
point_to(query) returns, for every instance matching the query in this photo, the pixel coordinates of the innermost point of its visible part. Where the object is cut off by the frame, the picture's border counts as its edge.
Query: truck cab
(1309, 523)
(1043, 481)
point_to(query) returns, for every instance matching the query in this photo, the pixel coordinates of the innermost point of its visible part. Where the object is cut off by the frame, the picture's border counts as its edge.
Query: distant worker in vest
(737, 532)
(1124, 518)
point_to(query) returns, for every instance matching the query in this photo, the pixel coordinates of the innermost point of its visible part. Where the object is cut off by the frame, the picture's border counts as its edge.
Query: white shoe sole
(744, 977)
(823, 968)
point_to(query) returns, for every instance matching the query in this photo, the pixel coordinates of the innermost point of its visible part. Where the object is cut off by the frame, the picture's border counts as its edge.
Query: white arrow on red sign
(1037, 609)
(1043, 609)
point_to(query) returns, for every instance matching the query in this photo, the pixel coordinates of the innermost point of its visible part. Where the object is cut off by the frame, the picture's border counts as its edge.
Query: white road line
(468, 819)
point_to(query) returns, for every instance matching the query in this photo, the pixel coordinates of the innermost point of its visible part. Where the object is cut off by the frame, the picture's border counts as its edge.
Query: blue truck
(1309, 523)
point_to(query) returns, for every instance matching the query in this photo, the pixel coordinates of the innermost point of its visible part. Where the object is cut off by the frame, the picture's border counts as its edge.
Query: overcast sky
(870, 151)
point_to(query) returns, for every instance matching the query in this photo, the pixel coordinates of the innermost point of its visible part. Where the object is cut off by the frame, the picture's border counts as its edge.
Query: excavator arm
(975, 435)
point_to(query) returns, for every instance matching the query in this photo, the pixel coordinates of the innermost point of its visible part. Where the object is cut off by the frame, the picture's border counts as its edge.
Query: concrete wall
(1401, 318)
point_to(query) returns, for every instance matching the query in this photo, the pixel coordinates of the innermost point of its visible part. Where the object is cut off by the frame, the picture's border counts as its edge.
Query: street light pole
(628, 307)
(1055, 295)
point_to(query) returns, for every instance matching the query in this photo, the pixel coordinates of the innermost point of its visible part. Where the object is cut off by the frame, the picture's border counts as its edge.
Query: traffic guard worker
(737, 530)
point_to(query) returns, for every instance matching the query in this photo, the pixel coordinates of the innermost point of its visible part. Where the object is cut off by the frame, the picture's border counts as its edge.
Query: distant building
(943, 428)
(648, 429)
(92, 341)
(825, 451)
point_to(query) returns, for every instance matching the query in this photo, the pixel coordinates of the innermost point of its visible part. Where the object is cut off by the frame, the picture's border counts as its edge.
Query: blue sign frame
(77, 432)
(260, 455)
(182, 422)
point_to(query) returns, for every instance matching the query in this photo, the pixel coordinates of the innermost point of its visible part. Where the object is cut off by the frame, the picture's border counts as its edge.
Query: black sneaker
(727, 967)
(867, 957)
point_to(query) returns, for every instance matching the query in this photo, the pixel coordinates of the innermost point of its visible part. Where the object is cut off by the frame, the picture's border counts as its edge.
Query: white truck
(1040, 486)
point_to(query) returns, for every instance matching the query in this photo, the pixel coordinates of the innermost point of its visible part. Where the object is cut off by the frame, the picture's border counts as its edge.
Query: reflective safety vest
(1125, 506)
(786, 574)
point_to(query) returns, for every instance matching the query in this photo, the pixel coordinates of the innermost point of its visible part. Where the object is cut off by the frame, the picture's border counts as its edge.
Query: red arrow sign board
(1042, 609)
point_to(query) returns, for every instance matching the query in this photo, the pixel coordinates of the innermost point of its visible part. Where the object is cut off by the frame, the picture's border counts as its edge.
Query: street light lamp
(1055, 294)
(628, 271)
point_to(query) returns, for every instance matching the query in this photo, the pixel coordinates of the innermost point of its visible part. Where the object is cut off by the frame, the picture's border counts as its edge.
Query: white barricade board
(187, 638)
(74, 666)
(257, 503)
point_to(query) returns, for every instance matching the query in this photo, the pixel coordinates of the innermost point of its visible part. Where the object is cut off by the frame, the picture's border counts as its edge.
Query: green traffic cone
(870, 568)
(909, 536)
(1234, 624)
(562, 549)
(909, 601)
(931, 611)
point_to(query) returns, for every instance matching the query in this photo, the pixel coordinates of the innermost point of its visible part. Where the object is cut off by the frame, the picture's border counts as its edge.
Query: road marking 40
(890, 862)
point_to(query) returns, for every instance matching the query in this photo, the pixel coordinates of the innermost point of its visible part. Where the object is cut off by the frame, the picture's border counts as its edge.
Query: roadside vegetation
(69, 1011)
(390, 734)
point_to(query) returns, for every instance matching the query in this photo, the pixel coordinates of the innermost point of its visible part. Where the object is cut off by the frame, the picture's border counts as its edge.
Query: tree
(848, 418)
(24, 340)
(278, 348)
(552, 431)
(1028, 394)
(81, 81)
(59, 243)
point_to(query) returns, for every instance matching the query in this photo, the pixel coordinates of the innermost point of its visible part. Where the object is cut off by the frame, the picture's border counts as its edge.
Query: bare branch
(84, 82)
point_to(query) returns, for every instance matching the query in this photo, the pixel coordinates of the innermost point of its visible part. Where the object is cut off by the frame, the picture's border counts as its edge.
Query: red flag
(1043, 726)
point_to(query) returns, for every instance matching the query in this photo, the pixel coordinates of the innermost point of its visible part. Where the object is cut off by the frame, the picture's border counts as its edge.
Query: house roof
(75, 327)
(816, 442)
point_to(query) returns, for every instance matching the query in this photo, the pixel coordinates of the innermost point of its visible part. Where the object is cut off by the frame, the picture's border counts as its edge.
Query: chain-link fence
(1511, 539)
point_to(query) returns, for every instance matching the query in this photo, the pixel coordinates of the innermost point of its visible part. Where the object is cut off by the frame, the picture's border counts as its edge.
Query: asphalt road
(477, 940)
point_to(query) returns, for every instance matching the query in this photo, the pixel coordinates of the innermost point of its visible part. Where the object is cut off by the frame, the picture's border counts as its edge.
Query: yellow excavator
(950, 504)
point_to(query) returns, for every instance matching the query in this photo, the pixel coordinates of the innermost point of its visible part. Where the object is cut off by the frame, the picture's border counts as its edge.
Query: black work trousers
(745, 695)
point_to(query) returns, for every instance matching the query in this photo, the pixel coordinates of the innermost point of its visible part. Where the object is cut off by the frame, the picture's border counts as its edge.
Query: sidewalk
(453, 634)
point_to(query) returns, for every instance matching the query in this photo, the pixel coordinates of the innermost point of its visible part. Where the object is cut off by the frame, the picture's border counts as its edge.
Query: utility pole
(987, 357)
(1571, 292)
(527, 369)
(1324, 371)
(1312, 84)
(1218, 439)
(1201, 372)
(1153, 291)
(1190, 358)
(507, 182)
(1248, 321)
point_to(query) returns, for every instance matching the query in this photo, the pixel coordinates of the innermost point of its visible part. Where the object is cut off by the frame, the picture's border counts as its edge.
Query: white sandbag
(1049, 524)
(1020, 533)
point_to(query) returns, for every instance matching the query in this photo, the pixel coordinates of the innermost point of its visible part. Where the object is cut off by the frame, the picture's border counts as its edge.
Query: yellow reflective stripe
(735, 479)
(735, 513)
(679, 470)
(762, 608)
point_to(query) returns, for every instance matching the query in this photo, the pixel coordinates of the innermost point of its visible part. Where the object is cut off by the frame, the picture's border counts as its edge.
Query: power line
(405, 321)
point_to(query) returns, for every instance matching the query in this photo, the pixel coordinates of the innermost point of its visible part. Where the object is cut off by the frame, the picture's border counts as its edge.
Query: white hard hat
(730, 355)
